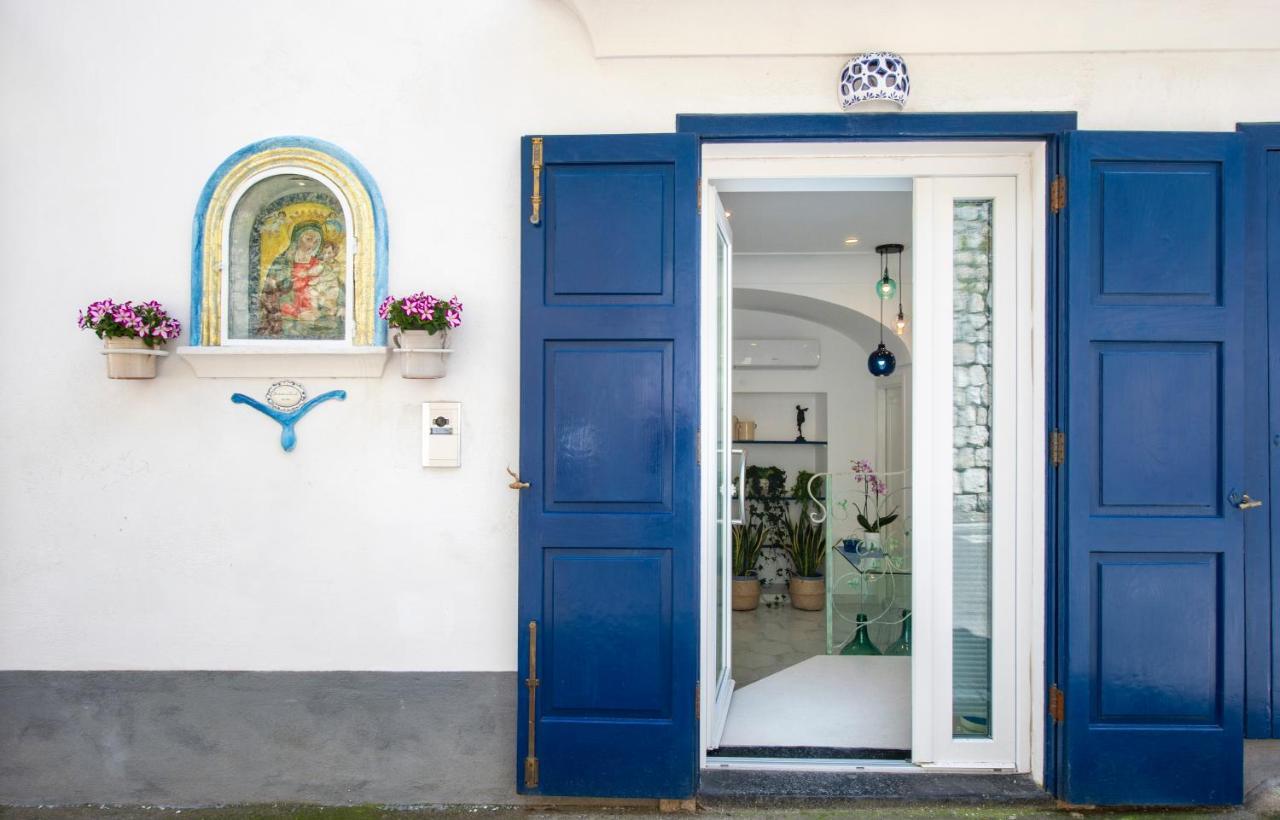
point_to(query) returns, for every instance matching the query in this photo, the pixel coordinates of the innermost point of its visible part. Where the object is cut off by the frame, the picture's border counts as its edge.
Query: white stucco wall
(154, 525)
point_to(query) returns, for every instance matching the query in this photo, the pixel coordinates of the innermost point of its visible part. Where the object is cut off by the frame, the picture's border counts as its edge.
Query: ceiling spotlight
(728, 214)
(853, 240)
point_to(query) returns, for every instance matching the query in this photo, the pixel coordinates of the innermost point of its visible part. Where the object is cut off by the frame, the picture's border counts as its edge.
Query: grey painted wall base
(203, 738)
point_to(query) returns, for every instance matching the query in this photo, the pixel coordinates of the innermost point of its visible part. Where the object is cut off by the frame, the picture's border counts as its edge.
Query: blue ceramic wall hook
(287, 418)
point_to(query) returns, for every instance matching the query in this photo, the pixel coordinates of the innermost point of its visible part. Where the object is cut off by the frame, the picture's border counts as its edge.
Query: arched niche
(865, 330)
(289, 260)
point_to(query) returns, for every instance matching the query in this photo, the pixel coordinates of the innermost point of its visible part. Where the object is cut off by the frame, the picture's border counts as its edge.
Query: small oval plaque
(286, 395)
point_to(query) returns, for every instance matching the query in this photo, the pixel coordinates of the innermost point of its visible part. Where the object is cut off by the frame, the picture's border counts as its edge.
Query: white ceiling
(818, 221)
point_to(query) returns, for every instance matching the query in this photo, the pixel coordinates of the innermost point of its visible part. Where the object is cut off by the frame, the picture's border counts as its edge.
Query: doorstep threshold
(776, 783)
(811, 764)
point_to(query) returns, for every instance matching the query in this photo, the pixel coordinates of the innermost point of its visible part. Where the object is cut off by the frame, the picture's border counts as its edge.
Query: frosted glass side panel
(971, 500)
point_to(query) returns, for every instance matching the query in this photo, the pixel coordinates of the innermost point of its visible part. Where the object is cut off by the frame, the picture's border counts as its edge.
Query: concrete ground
(897, 812)
(1262, 799)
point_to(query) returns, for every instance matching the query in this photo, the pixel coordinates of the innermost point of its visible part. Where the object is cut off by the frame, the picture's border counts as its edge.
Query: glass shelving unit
(866, 574)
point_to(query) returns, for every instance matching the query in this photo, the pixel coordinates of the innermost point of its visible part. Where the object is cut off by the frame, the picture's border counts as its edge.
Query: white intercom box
(442, 434)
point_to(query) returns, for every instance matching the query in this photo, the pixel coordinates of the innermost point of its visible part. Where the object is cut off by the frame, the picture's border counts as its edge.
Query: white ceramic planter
(130, 359)
(422, 354)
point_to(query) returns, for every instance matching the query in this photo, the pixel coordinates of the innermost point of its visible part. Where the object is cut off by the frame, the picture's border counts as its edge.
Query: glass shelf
(765, 441)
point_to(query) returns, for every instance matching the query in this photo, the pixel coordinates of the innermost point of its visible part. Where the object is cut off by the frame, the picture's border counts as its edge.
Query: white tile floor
(789, 692)
(831, 701)
(769, 639)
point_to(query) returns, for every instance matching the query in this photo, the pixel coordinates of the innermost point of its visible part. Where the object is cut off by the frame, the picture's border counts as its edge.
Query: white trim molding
(838, 28)
(234, 362)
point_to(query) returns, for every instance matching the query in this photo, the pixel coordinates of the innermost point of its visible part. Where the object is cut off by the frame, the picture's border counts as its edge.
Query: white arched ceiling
(861, 328)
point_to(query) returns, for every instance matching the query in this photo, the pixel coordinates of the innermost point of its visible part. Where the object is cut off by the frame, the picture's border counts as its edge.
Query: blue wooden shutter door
(608, 425)
(1153, 612)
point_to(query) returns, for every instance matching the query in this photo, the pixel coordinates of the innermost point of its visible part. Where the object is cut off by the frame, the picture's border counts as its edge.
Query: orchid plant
(147, 321)
(421, 311)
(873, 490)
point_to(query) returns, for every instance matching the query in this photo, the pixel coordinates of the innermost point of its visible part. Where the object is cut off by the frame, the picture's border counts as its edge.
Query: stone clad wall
(972, 360)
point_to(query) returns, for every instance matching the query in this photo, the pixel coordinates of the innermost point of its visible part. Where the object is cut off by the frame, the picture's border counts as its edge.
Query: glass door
(727, 501)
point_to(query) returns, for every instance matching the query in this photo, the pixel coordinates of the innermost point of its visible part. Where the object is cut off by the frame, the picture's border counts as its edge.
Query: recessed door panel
(609, 425)
(1159, 428)
(1157, 236)
(609, 638)
(627, 258)
(1147, 604)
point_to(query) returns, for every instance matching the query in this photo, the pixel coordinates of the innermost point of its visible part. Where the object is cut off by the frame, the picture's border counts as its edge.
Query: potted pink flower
(422, 324)
(870, 515)
(131, 335)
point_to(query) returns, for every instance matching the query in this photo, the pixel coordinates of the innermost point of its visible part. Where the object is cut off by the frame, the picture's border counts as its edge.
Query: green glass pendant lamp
(887, 288)
(881, 362)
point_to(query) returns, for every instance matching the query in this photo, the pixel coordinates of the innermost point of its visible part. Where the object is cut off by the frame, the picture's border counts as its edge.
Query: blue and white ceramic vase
(876, 75)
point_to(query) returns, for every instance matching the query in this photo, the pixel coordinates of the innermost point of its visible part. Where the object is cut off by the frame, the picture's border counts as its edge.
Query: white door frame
(802, 166)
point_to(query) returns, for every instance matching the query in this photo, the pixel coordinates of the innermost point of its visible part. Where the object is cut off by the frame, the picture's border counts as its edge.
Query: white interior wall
(154, 525)
(842, 375)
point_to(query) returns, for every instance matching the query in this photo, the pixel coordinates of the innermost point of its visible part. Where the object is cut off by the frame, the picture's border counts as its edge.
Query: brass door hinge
(699, 446)
(1057, 448)
(1057, 704)
(531, 759)
(1058, 194)
(535, 199)
(699, 194)
(697, 701)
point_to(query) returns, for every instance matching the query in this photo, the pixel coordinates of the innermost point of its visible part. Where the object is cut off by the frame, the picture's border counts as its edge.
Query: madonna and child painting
(289, 263)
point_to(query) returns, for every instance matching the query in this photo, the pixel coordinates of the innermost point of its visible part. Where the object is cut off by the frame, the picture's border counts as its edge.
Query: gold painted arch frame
(333, 168)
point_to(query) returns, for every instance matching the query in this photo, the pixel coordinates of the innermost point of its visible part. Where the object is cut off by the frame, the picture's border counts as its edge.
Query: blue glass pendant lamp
(881, 362)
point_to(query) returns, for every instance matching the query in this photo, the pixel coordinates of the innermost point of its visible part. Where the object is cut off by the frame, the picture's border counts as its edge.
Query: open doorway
(869, 395)
(822, 590)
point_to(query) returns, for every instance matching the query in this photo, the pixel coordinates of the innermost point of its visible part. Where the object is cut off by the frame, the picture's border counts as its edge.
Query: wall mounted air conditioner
(776, 353)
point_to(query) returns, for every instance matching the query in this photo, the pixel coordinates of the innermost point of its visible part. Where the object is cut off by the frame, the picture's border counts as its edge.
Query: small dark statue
(800, 411)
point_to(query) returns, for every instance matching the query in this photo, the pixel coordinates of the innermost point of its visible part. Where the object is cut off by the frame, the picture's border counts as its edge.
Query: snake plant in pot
(806, 548)
(748, 544)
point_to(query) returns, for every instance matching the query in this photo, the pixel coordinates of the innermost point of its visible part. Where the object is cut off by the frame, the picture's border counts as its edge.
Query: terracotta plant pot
(416, 360)
(130, 365)
(808, 593)
(746, 593)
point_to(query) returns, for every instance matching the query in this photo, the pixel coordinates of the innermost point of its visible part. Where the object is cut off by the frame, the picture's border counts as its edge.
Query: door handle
(742, 488)
(517, 484)
(1242, 501)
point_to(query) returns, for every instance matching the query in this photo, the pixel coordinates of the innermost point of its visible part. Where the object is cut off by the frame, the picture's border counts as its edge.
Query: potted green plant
(748, 544)
(806, 548)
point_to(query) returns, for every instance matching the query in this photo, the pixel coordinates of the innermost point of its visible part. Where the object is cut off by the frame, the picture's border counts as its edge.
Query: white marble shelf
(231, 362)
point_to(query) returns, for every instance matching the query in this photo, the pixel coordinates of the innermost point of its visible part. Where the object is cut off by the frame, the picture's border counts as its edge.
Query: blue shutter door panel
(608, 425)
(1153, 556)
